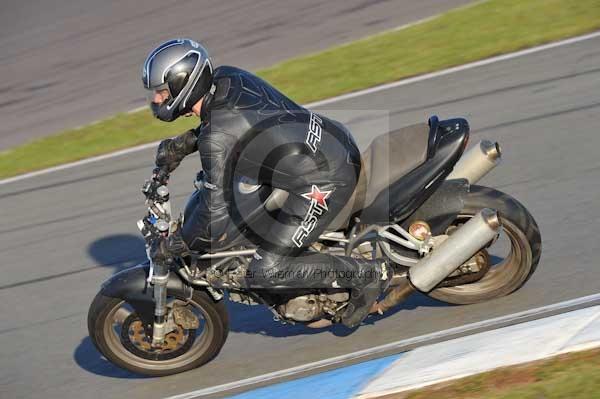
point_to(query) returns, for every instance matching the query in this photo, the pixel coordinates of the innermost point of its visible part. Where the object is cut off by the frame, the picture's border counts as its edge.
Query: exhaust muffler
(461, 246)
(477, 162)
(456, 250)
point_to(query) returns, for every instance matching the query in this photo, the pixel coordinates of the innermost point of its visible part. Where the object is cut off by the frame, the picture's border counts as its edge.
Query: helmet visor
(178, 74)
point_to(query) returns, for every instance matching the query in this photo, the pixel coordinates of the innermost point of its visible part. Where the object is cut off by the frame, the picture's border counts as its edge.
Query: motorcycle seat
(387, 159)
(391, 156)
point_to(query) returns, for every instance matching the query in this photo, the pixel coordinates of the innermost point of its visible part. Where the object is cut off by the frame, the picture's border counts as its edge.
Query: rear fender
(131, 286)
(442, 208)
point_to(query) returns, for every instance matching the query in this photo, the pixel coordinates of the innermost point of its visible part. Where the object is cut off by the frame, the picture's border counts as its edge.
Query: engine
(313, 306)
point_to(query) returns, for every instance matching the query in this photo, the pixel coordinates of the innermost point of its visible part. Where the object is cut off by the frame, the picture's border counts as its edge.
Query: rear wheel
(513, 257)
(119, 334)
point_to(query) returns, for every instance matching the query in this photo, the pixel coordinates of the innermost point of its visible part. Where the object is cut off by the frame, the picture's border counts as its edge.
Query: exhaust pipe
(477, 162)
(456, 250)
(465, 242)
(396, 295)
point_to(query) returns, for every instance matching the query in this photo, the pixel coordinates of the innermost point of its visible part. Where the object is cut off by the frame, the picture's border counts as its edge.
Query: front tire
(513, 272)
(112, 324)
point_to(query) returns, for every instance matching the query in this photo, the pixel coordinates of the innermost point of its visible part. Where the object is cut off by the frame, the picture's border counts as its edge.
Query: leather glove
(171, 152)
(160, 177)
(159, 251)
(177, 245)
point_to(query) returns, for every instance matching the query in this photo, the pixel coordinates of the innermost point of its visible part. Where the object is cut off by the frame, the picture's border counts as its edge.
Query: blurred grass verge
(467, 34)
(573, 375)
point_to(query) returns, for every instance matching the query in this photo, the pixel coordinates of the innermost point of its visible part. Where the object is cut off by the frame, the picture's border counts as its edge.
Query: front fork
(159, 279)
(160, 221)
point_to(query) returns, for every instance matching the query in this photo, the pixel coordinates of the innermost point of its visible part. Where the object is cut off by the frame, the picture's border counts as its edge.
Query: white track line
(332, 100)
(79, 163)
(400, 346)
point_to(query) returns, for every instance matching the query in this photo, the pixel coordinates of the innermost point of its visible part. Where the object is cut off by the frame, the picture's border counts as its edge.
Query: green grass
(120, 131)
(457, 37)
(573, 376)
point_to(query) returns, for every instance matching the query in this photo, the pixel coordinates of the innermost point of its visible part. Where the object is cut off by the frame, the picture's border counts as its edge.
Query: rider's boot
(374, 278)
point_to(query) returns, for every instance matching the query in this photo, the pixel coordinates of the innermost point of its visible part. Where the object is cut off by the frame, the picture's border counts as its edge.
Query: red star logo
(318, 196)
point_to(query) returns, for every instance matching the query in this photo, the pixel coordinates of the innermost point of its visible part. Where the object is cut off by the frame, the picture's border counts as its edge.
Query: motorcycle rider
(249, 128)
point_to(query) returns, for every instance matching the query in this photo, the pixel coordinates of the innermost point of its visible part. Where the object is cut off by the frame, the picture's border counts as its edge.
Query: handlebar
(157, 221)
(155, 189)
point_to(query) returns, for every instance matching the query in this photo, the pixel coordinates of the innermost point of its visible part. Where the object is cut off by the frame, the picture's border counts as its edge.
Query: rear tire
(101, 323)
(526, 248)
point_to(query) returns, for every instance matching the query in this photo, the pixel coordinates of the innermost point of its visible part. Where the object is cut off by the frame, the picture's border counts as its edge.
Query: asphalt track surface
(64, 232)
(65, 63)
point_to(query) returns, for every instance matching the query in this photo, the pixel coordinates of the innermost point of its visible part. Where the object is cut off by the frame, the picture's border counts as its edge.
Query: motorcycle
(419, 207)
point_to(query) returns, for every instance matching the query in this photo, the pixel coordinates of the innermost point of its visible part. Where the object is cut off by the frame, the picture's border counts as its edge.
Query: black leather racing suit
(252, 130)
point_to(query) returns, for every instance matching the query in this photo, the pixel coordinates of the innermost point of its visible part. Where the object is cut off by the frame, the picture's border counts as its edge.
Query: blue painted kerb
(341, 383)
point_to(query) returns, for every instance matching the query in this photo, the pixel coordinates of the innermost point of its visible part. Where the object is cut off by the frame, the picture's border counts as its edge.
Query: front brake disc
(136, 341)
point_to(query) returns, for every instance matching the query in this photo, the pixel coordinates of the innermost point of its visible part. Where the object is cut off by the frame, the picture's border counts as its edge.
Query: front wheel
(513, 257)
(119, 335)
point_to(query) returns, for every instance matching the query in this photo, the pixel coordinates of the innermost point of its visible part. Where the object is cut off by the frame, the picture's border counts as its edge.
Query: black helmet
(183, 67)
